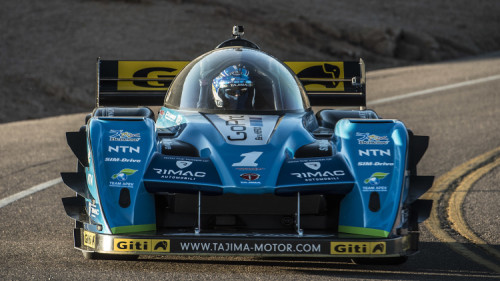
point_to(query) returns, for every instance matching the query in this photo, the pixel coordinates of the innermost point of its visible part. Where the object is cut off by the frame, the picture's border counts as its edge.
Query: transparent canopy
(236, 79)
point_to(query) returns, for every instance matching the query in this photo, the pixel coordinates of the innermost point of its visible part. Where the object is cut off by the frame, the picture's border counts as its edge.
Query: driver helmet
(232, 89)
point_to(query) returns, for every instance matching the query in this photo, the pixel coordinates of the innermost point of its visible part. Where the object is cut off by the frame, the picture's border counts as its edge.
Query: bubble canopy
(269, 85)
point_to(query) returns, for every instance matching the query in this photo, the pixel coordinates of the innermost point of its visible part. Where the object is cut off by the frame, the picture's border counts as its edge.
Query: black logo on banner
(379, 248)
(143, 73)
(321, 71)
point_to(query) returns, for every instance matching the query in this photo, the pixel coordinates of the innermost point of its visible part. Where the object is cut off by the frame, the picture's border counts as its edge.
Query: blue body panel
(256, 167)
(119, 152)
(245, 155)
(376, 153)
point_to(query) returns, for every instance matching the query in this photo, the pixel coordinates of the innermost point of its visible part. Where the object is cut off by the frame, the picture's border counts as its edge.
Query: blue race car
(237, 162)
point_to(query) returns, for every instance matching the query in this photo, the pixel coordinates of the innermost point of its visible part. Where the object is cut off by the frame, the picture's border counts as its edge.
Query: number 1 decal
(248, 159)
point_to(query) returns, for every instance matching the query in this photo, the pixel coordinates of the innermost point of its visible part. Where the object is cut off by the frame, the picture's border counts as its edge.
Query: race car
(240, 160)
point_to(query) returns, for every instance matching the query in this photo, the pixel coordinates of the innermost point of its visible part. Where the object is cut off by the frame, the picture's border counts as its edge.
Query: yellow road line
(435, 193)
(455, 213)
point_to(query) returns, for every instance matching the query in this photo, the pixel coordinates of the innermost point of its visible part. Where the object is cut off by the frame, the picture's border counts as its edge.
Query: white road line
(437, 89)
(6, 201)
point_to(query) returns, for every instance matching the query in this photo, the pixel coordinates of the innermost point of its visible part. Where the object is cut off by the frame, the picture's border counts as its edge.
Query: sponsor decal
(374, 152)
(322, 169)
(187, 169)
(368, 138)
(377, 164)
(320, 176)
(256, 121)
(237, 128)
(169, 118)
(374, 181)
(375, 178)
(249, 159)
(89, 239)
(121, 177)
(93, 209)
(179, 174)
(183, 164)
(124, 149)
(244, 129)
(90, 179)
(358, 248)
(258, 133)
(169, 115)
(242, 247)
(141, 245)
(120, 135)
(250, 176)
(250, 169)
(122, 160)
(313, 165)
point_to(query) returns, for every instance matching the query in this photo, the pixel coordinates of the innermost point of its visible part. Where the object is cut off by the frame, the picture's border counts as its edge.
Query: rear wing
(133, 83)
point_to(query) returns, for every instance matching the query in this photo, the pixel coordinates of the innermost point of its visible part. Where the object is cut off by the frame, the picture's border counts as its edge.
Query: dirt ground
(48, 49)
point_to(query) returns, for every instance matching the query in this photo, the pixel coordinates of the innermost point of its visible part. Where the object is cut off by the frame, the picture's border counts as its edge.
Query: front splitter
(255, 244)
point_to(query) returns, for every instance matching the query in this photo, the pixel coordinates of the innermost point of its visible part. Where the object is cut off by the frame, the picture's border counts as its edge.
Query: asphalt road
(36, 235)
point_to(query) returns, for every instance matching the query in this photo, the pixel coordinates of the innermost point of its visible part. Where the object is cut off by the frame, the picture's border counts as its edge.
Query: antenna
(238, 31)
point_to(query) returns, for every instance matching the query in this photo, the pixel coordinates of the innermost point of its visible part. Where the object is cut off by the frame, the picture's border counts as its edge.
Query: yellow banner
(147, 75)
(321, 72)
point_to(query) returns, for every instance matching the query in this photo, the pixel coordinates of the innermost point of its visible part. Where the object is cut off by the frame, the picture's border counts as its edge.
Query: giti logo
(357, 248)
(315, 75)
(141, 245)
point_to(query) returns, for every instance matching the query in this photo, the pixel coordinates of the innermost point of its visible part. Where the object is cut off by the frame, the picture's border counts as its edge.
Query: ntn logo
(124, 149)
(374, 152)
